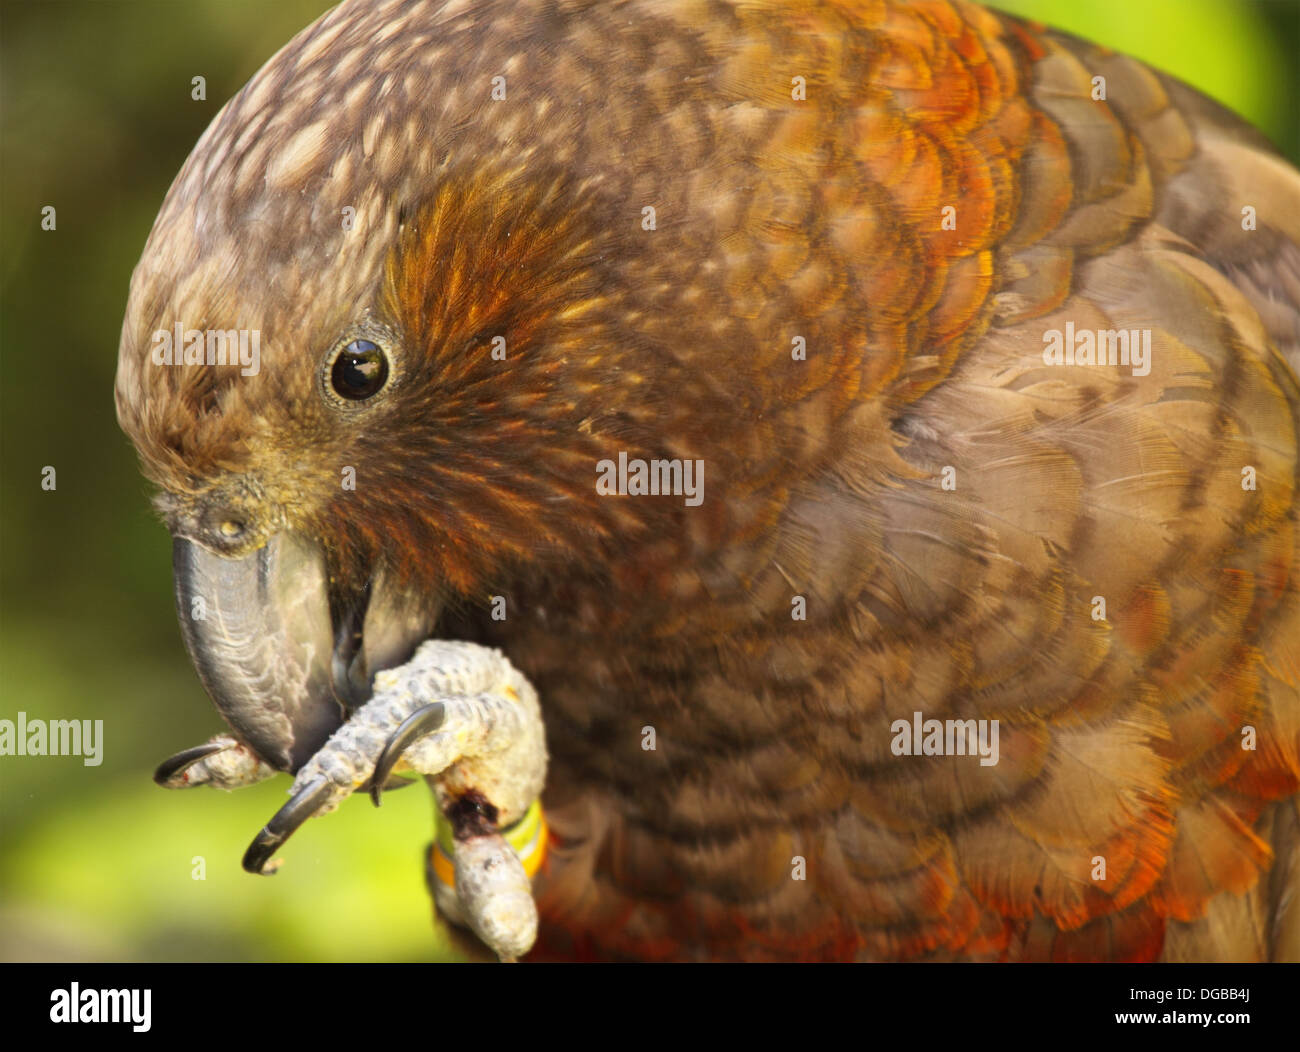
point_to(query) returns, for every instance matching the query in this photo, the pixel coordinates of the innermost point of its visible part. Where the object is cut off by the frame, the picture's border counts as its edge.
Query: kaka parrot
(870, 426)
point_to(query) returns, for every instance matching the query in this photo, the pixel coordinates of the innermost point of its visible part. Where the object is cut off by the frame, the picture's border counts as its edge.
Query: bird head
(366, 360)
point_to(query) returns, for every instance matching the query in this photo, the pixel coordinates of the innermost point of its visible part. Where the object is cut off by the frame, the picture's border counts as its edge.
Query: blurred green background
(97, 863)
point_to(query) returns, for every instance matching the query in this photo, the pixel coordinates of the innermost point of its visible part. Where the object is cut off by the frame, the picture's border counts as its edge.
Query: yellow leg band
(528, 837)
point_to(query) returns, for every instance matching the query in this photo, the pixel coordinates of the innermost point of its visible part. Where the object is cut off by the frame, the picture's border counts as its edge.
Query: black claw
(305, 803)
(174, 765)
(393, 784)
(422, 721)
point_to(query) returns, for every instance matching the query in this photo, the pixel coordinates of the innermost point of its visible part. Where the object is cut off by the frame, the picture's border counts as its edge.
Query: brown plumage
(779, 218)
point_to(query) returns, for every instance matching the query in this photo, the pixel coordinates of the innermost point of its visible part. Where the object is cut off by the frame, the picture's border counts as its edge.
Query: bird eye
(359, 370)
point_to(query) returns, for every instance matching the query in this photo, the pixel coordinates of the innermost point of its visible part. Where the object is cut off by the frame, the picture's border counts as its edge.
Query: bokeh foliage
(95, 862)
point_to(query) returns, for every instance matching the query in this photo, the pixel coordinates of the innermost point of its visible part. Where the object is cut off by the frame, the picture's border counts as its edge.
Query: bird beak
(286, 648)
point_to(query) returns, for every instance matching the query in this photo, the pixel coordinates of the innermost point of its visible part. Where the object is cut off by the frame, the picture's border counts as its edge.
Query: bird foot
(464, 717)
(480, 874)
(222, 763)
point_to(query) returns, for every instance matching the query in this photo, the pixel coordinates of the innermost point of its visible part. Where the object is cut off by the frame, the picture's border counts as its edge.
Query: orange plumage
(917, 195)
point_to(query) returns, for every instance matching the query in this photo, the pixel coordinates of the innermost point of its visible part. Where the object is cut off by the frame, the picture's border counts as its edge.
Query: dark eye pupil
(359, 370)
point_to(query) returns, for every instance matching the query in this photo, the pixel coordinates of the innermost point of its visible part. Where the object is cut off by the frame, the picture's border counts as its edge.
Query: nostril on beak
(225, 528)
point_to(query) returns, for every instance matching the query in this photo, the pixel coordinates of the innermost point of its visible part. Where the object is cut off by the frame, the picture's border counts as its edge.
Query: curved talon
(305, 803)
(174, 765)
(422, 721)
(392, 785)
